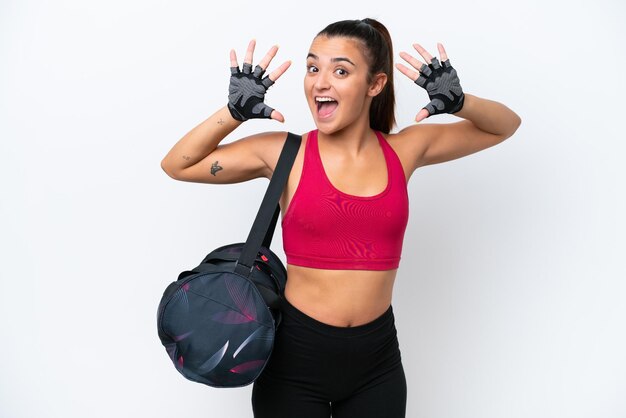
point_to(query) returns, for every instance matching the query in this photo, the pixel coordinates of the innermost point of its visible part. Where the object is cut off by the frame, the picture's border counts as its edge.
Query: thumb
(277, 116)
(423, 114)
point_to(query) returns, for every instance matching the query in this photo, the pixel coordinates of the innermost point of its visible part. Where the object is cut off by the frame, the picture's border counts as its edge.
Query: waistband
(288, 309)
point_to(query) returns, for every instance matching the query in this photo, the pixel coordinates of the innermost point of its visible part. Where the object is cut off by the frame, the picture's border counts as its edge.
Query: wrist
(235, 114)
(466, 109)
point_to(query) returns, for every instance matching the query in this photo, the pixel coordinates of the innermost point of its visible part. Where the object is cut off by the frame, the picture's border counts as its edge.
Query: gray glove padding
(443, 87)
(246, 93)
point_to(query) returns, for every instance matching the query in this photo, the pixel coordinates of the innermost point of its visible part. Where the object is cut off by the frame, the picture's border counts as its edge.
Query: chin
(323, 126)
(329, 129)
(326, 127)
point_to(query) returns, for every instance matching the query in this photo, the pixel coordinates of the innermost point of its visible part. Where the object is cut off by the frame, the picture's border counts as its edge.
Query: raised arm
(198, 157)
(487, 122)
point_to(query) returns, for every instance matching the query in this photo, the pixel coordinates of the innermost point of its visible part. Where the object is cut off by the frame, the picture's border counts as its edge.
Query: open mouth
(326, 107)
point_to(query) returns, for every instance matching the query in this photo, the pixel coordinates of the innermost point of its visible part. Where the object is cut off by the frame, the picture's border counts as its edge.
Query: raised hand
(246, 92)
(440, 81)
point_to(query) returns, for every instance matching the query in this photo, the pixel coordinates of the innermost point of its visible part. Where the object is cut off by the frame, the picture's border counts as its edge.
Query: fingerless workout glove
(246, 93)
(443, 87)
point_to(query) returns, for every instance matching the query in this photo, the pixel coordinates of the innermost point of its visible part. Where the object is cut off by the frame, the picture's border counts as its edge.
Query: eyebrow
(336, 59)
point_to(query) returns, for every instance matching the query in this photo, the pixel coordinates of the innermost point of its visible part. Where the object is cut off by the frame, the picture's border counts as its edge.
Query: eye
(309, 67)
(344, 71)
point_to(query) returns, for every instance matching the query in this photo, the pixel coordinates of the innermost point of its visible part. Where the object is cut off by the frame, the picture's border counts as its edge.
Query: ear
(380, 80)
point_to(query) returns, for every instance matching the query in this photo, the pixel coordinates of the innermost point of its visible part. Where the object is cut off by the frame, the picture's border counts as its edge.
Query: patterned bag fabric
(215, 324)
(218, 320)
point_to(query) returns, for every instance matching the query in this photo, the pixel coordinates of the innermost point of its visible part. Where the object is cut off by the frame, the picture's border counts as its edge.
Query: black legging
(317, 369)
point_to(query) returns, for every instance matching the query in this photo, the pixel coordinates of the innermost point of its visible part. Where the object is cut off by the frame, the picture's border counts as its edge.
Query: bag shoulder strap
(265, 222)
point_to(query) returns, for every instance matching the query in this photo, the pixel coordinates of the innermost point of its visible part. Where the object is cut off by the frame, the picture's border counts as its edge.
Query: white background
(509, 300)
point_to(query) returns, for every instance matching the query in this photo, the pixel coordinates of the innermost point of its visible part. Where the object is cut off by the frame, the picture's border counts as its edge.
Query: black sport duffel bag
(218, 320)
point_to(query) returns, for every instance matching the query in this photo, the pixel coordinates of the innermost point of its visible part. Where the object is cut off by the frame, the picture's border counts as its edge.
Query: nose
(322, 80)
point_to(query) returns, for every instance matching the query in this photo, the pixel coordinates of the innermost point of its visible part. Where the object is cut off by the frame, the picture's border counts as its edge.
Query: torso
(343, 297)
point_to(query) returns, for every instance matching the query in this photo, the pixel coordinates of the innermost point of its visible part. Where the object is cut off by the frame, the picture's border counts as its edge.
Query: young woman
(344, 209)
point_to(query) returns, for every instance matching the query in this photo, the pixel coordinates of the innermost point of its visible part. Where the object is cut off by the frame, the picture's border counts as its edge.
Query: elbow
(168, 170)
(518, 124)
(517, 121)
(512, 129)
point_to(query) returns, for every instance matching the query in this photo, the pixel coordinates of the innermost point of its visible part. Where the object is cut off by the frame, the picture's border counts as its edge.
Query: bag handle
(265, 222)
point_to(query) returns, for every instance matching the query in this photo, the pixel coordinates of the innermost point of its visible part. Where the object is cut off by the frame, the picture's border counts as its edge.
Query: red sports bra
(329, 229)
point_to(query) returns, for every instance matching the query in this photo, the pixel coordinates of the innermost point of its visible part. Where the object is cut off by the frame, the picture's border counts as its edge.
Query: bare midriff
(343, 298)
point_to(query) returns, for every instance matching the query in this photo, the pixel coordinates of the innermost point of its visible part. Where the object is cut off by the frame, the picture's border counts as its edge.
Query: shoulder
(407, 139)
(409, 145)
(269, 145)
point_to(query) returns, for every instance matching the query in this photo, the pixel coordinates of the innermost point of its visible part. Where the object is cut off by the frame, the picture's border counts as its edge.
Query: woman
(344, 209)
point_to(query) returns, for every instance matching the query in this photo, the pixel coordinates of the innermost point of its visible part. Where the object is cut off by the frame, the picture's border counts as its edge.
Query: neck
(351, 140)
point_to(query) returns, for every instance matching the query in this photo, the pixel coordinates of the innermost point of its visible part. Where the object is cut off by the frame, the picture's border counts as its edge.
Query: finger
(423, 53)
(233, 58)
(265, 62)
(279, 71)
(277, 116)
(442, 52)
(407, 72)
(423, 114)
(417, 64)
(250, 52)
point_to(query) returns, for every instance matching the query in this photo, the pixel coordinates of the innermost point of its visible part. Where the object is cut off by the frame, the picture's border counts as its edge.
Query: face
(337, 69)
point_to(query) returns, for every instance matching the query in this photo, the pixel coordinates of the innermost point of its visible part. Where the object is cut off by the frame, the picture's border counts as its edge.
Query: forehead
(328, 48)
